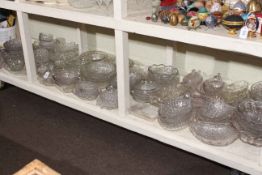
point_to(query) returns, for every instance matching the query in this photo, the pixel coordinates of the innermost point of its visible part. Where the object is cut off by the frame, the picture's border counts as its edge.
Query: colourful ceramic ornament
(173, 19)
(233, 23)
(193, 23)
(202, 14)
(211, 21)
(251, 24)
(239, 8)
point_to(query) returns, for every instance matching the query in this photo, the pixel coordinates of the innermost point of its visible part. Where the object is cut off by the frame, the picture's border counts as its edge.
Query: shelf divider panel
(120, 9)
(24, 29)
(122, 62)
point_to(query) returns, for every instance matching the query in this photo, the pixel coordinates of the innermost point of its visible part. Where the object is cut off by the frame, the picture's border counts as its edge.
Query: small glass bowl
(14, 60)
(13, 45)
(41, 56)
(144, 90)
(256, 91)
(86, 90)
(216, 110)
(163, 75)
(46, 37)
(108, 98)
(213, 86)
(214, 133)
(175, 113)
(193, 79)
(235, 92)
(98, 69)
(66, 76)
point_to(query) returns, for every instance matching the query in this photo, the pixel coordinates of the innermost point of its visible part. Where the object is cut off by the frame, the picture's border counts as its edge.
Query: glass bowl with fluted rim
(235, 92)
(108, 98)
(256, 91)
(163, 74)
(66, 76)
(86, 90)
(144, 90)
(175, 113)
(213, 133)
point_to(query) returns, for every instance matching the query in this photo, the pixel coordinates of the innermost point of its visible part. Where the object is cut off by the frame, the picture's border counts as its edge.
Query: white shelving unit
(238, 155)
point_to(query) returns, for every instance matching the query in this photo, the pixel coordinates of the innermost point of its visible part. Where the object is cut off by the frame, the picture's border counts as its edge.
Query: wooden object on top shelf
(36, 167)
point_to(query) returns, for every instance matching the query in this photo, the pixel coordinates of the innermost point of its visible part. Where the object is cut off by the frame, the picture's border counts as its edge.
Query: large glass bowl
(163, 75)
(14, 60)
(176, 113)
(214, 133)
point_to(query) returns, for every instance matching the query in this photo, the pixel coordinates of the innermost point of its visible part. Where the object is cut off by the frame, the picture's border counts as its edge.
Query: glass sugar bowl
(235, 92)
(108, 98)
(176, 113)
(163, 75)
(213, 133)
(213, 86)
(144, 90)
(86, 90)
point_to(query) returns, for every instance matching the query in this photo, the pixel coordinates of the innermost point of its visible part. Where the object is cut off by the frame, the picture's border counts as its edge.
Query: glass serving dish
(163, 75)
(99, 69)
(213, 133)
(175, 113)
(144, 90)
(193, 79)
(13, 45)
(86, 90)
(213, 86)
(256, 91)
(46, 37)
(14, 60)
(108, 98)
(235, 92)
(66, 77)
(215, 109)
(41, 56)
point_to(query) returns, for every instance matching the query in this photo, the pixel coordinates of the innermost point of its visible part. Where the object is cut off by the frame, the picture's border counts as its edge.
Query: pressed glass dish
(86, 90)
(144, 90)
(215, 109)
(175, 113)
(213, 86)
(235, 92)
(13, 45)
(256, 91)
(214, 133)
(193, 79)
(108, 98)
(98, 69)
(163, 75)
(14, 60)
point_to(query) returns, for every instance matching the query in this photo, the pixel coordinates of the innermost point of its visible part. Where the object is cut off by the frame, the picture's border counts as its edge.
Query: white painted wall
(152, 50)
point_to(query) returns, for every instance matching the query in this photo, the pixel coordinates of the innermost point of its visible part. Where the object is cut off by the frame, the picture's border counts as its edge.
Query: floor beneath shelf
(74, 143)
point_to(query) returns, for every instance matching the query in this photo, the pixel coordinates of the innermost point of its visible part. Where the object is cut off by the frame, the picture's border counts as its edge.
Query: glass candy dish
(213, 133)
(175, 113)
(14, 60)
(108, 98)
(66, 77)
(144, 90)
(213, 86)
(41, 56)
(250, 112)
(99, 69)
(163, 75)
(13, 45)
(256, 91)
(46, 37)
(235, 92)
(193, 79)
(86, 90)
(215, 109)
